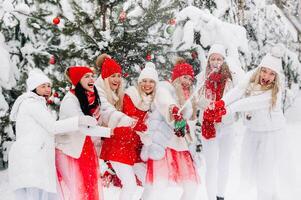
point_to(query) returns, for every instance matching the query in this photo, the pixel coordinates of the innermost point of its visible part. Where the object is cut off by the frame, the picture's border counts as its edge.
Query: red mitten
(223, 111)
(175, 114)
(141, 127)
(219, 104)
(209, 115)
(208, 130)
(180, 133)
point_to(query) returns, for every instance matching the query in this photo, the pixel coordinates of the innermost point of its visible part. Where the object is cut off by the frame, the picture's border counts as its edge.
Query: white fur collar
(142, 102)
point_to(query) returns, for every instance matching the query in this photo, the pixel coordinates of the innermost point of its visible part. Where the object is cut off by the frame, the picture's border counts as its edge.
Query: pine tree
(55, 34)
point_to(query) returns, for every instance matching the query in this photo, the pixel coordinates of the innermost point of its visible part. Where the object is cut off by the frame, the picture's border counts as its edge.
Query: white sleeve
(239, 90)
(43, 117)
(233, 95)
(163, 101)
(250, 103)
(110, 116)
(96, 131)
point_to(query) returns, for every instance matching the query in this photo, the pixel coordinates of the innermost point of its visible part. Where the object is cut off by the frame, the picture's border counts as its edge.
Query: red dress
(125, 145)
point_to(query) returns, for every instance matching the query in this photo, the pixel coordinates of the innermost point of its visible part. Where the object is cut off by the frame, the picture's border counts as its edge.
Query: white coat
(259, 115)
(160, 126)
(71, 143)
(32, 156)
(203, 102)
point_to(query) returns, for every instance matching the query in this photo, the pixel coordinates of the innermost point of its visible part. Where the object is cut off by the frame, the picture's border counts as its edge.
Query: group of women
(146, 131)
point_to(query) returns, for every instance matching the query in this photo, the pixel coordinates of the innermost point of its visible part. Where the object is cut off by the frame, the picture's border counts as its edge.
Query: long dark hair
(81, 95)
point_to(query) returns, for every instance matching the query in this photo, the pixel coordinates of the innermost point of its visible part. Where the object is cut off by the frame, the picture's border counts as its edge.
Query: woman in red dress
(76, 158)
(123, 149)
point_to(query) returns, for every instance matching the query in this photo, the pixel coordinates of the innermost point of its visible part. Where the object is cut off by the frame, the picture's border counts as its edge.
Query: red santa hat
(75, 73)
(182, 68)
(107, 65)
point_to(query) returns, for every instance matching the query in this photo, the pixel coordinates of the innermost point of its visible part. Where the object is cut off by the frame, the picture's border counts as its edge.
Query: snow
(288, 25)
(212, 30)
(7, 74)
(292, 141)
(67, 10)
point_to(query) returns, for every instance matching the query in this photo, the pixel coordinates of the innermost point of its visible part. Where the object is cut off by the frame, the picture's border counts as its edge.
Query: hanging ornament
(52, 60)
(49, 101)
(55, 94)
(56, 20)
(194, 54)
(170, 29)
(125, 75)
(122, 16)
(172, 21)
(148, 57)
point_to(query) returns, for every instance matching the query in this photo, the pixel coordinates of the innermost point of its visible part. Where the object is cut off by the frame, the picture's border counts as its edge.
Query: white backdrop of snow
(8, 74)
(212, 30)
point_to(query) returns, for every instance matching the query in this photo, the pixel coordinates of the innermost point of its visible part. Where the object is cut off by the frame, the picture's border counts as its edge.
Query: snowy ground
(293, 116)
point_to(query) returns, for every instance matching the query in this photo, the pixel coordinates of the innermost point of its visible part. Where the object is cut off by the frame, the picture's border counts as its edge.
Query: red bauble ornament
(148, 57)
(194, 55)
(52, 60)
(172, 22)
(122, 16)
(56, 20)
(125, 75)
(49, 101)
(55, 94)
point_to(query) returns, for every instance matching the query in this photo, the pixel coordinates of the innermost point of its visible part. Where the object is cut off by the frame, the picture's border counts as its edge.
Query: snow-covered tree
(54, 34)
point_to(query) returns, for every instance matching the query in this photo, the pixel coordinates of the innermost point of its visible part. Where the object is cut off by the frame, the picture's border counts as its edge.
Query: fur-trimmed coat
(110, 116)
(125, 145)
(160, 126)
(258, 113)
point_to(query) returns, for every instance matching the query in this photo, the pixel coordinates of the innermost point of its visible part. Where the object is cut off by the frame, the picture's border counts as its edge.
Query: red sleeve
(128, 106)
(130, 109)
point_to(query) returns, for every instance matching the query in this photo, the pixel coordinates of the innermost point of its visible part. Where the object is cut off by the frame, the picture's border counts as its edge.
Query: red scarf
(215, 85)
(95, 112)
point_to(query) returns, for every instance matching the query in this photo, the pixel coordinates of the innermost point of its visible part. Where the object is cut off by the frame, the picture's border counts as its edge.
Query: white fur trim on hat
(273, 60)
(35, 79)
(150, 72)
(218, 49)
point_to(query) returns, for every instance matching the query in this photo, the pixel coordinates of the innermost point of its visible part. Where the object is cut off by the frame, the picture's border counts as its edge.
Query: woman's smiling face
(114, 81)
(147, 85)
(267, 76)
(87, 81)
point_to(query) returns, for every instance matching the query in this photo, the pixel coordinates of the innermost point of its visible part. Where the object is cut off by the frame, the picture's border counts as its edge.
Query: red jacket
(125, 145)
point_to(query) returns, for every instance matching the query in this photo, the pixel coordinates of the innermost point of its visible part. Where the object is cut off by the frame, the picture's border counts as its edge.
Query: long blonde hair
(109, 92)
(118, 103)
(274, 86)
(180, 94)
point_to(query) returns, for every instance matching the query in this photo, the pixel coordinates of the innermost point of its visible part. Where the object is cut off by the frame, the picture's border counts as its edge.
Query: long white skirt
(265, 164)
(34, 194)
